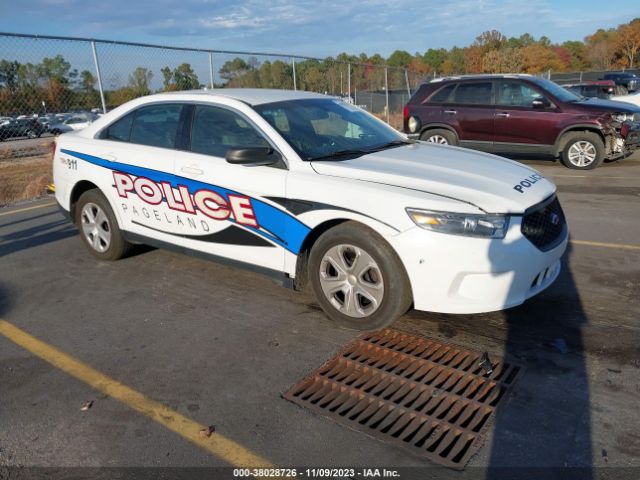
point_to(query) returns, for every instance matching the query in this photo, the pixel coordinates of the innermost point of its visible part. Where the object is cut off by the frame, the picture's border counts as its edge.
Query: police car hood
(491, 183)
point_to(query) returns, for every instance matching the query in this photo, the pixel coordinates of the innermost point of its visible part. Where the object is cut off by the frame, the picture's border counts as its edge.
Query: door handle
(451, 112)
(192, 170)
(502, 114)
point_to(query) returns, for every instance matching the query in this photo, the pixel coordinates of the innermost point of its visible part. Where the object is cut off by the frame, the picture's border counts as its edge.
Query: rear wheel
(98, 227)
(582, 151)
(357, 278)
(439, 136)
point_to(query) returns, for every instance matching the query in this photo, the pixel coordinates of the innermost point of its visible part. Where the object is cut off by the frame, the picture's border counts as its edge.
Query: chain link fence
(564, 78)
(50, 85)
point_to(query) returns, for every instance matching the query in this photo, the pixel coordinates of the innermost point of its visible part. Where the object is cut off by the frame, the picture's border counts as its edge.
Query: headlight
(487, 226)
(414, 124)
(622, 117)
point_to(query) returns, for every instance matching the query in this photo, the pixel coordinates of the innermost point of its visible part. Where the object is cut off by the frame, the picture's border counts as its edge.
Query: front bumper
(457, 274)
(631, 133)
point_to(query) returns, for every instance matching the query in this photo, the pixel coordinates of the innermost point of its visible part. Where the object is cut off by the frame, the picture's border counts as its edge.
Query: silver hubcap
(96, 228)
(582, 153)
(351, 280)
(438, 139)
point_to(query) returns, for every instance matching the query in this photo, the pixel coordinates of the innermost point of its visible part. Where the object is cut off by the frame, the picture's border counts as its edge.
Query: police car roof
(253, 96)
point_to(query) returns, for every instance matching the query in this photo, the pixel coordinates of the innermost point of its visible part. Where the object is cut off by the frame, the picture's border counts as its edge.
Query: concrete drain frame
(430, 398)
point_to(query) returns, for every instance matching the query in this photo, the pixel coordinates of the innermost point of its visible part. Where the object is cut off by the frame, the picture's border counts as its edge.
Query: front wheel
(98, 227)
(357, 278)
(583, 151)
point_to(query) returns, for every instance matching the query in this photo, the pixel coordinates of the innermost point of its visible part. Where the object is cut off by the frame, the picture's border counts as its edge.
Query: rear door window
(473, 93)
(156, 125)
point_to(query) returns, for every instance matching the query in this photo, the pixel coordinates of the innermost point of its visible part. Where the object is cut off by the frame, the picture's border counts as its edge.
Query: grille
(432, 399)
(539, 227)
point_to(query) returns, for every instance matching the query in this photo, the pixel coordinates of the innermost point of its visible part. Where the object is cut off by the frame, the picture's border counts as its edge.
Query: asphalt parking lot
(208, 345)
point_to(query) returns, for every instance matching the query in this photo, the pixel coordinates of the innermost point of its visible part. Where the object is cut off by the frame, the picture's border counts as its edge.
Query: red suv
(522, 114)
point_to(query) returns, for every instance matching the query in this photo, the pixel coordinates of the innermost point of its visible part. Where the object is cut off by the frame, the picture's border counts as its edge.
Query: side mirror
(253, 156)
(541, 103)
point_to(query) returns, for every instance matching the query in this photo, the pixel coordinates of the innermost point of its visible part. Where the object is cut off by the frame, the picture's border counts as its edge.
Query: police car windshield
(329, 129)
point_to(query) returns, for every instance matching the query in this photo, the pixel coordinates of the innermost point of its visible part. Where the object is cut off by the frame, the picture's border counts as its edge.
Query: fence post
(211, 69)
(97, 65)
(406, 77)
(349, 82)
(295, 85)
(386, 92)
(580, 77)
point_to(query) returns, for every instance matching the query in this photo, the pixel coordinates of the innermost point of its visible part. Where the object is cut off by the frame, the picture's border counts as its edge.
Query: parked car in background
(632, 98)
(628, 80)
(70, 124)
(25, 127)
(604, 89)
(47, 120)
(522, 114)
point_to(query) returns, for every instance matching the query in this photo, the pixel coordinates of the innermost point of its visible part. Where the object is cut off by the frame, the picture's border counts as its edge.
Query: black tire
(117, 246)
(386, 274)
(439, 133)
(593, 143)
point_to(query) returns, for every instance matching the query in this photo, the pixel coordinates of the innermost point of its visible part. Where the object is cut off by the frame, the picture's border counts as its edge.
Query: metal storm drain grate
(433, 399)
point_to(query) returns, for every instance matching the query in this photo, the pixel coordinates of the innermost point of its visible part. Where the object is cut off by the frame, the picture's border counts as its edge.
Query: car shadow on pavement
(544, 429)
(35, 236)
(6, 302)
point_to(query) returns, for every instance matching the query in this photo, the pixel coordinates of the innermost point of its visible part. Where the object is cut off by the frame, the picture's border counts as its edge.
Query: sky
(312, 27)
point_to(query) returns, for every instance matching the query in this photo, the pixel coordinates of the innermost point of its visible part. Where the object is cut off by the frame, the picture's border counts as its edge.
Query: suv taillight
(54, 145)
(405, 112)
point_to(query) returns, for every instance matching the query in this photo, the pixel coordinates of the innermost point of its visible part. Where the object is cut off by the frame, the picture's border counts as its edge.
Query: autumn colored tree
(628, 41)
(505, 60)
(538, 58)
(601, 47)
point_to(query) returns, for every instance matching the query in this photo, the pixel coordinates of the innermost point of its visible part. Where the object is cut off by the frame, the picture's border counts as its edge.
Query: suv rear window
(473, 93)
(442, 95)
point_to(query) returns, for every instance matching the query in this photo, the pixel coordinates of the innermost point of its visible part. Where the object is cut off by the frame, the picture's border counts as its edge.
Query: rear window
(473, 93)
(156, 125)
(119, 130)
(442, 95)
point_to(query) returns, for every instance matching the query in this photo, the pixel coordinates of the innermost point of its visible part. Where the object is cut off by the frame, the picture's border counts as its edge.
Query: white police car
(304, 186)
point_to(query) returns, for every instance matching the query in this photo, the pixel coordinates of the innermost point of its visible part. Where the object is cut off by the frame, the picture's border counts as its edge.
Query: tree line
(53, 85)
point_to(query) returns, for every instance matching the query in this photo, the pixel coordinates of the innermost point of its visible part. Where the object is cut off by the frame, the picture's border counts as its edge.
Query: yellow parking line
(20, 210)
(220, 446)
(623, 246)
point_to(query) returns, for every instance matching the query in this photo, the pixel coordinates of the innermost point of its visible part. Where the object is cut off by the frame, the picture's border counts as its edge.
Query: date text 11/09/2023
(316, 472)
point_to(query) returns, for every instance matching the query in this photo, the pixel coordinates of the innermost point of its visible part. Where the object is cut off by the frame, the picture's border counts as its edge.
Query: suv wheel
(439, 136)
(98, 227)
(582, 151)
(357, 278)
